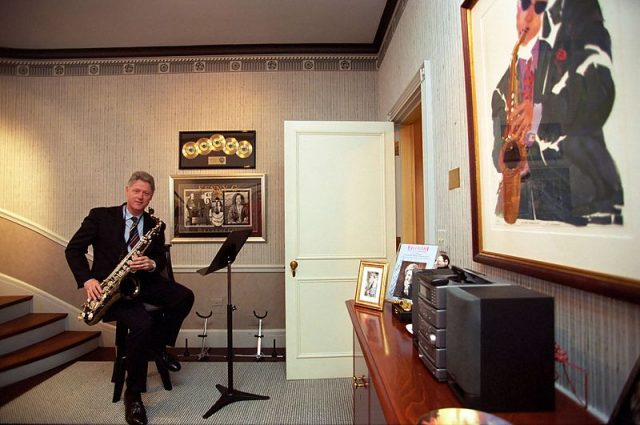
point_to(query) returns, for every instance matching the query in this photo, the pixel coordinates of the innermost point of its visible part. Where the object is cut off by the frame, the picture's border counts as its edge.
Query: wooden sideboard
(392, 385)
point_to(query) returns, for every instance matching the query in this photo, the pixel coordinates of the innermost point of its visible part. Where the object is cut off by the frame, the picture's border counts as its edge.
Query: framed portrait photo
(410, 257)
(208, 208)
(372, 282)
(551, 121)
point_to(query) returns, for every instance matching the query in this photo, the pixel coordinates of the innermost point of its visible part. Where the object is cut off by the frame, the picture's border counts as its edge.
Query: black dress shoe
(134, 411)
(169, 361)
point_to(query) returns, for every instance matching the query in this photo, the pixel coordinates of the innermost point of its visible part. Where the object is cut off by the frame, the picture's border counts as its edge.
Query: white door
(339, 209)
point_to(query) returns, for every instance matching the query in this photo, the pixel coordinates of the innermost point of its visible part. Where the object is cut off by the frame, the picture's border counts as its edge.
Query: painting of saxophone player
(548, 113)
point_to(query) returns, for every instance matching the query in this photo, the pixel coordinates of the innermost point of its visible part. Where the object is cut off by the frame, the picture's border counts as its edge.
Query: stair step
(49, 347)
(12, 307)
(28, 322)
(46, 355)
(29, 329)
(8, 300)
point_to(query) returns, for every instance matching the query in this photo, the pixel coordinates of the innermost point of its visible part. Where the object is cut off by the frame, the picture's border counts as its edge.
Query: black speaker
(500, 348)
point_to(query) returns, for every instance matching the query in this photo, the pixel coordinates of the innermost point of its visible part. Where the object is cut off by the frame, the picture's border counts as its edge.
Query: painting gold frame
(595, 258)
(370, 293)
(202, 207)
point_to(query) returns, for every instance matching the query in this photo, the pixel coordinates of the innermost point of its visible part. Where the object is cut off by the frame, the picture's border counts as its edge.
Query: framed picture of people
(372, 281)
(208, 208)
(551, 96)
(410, 257)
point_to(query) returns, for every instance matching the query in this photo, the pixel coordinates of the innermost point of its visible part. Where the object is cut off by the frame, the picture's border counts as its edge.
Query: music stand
(224, 258)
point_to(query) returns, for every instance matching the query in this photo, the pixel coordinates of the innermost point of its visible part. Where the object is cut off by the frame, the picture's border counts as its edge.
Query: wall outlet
(217, 306)
(442, 239)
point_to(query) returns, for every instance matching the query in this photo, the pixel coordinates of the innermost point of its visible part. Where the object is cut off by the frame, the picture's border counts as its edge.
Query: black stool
(119, 365)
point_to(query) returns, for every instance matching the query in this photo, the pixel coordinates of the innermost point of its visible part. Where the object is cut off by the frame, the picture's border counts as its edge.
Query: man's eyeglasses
(538, 7)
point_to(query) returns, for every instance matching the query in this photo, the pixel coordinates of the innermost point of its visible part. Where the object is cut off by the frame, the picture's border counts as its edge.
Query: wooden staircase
(32, 343)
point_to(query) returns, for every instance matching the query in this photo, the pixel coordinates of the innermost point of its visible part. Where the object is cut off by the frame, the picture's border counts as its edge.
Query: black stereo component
(429, 296)
(500, 347)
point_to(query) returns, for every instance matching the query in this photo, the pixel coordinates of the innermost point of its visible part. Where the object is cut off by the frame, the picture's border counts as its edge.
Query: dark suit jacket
(103, 229)
(581, 177)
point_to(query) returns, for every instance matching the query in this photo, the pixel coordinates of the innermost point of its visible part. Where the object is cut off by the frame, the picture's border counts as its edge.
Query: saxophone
(120, 283)
(512, 159)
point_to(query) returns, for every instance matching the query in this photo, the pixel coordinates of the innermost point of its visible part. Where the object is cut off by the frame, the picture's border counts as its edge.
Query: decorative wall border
(184, 65)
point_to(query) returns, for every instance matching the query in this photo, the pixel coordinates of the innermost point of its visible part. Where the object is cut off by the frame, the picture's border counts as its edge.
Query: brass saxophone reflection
(120, 283)
(512, 160)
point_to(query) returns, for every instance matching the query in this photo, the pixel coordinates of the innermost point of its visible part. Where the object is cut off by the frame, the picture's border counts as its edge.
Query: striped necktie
(134, 236)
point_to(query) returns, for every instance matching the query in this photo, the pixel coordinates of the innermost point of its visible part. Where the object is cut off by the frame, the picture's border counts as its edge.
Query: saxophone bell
(129, 287)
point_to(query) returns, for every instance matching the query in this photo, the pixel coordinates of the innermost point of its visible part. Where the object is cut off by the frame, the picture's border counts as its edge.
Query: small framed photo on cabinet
(372, 282)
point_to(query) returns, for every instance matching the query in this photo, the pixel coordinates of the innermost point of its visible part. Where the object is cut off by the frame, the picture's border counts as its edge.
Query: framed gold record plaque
(217, 149)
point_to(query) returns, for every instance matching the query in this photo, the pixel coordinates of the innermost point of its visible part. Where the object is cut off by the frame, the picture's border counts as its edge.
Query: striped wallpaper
(70, 134)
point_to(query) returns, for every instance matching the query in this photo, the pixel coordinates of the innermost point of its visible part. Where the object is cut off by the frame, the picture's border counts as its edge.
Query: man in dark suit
(112, 231)
(566, 93)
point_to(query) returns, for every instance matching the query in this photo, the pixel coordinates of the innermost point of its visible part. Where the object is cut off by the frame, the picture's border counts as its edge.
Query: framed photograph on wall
(551, 107)
(208, 208)
(372, 281)
(217, 149)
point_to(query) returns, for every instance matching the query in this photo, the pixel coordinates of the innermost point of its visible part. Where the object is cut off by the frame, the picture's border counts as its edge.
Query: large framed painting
(208, 208)
(550, 108)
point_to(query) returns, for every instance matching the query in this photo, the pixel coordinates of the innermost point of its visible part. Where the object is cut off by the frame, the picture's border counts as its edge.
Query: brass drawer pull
(360, 382)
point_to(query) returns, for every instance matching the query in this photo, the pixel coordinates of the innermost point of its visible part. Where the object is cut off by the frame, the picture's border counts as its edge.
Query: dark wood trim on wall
(222, 50)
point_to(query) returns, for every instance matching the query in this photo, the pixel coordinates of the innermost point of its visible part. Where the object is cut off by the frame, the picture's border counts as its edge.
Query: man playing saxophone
(563, 97)
(112, 232)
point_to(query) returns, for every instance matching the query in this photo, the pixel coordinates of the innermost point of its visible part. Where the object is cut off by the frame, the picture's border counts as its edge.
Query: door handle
(294, 265)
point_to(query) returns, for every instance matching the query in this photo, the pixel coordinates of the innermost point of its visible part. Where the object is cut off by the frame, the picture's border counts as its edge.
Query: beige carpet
(81, 394)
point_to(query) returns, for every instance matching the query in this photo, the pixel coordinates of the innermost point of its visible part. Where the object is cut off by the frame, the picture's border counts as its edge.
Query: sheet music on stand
(228, 251)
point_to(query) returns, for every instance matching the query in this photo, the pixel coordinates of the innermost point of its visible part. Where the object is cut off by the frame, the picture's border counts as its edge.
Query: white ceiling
(99, 24)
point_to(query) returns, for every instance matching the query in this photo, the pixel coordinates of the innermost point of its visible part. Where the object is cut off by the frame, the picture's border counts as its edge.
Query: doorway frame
(419, 93)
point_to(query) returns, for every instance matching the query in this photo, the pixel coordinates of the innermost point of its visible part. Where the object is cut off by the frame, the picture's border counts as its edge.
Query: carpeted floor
(81, 394)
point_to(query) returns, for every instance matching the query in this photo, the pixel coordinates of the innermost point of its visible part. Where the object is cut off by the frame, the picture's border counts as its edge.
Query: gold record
(231, 146)
(244, 149)
(189, 150)
(217, 142)
(203, 146)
